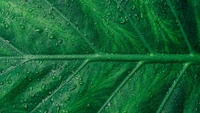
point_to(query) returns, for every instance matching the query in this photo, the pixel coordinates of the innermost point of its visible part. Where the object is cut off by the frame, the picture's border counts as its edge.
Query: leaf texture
(99, 56)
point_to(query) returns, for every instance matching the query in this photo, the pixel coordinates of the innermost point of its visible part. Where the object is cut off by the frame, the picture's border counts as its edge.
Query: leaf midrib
(152, 58)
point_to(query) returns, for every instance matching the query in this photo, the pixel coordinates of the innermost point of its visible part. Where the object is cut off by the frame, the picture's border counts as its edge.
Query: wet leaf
(99, 56)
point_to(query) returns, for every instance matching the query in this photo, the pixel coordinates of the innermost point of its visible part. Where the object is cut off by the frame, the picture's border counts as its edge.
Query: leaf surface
(106, 56)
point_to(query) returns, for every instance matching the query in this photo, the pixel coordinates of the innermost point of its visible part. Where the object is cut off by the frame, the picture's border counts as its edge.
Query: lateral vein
(62, 84)
(73, 26)
(176, 82)
(181, 28)
(10, 45)
(121, 85)
(135, 28)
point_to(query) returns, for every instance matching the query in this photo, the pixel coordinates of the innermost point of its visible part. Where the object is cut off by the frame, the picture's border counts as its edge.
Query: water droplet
(1, 83)
(39, 6)
(123, 22)
(6, 26)
(31, 88)
(44, 16)
(12, 17)
(8, 6)
(10, 82)
(53, 77)
(43, 86)
(68, 98)
(58, 109)
(65, 111)
(60, 41)
(52, 37)
(52, 17)
(142, 16)
(81, 83)
(39, 30)
(30, 10)
(88, 105)
(133, 7)
(20, 14)
(46, 34)
(72, 88)
(59, 24)
(22, 27)
(26, 106)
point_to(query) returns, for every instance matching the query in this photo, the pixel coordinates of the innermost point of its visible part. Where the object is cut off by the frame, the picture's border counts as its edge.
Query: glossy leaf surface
(99, 56)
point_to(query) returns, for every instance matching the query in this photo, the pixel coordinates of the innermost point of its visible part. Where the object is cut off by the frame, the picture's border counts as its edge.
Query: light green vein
(10, 45)
(136, 29)
(176, 82)
(61, 85)
(78, 31)
(181, 28)
(121, 85)
(13, 67)
(156, 58)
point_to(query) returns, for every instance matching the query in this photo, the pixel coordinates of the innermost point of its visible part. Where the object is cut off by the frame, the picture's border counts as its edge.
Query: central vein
(166, 58)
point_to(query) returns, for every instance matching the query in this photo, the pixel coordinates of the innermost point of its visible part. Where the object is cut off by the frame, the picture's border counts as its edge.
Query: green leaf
(99, 56)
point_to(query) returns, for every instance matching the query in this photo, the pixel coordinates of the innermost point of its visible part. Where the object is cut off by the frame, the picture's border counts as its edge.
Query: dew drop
(60, 41)
(52, 99)
(72, 88)
(26, 106)
(43, 86)
(31, 88)
(6, 26)
(52, 37)
(81, 83)
(20, 14)
(88, 105)
(59, 24)
(30, 10)
(44, 16)
(46, 34)
(1, 83)
(10, 82)
(123, 22)
(53, 77)
(133, 7)
(12, 17)
(8, 6)
(39, 6)
(65, 111)
(52, 17)
(109, 104)
(67, 98)
(142, 16)
(39, 30)
(58, 109)
(22, 27)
